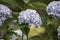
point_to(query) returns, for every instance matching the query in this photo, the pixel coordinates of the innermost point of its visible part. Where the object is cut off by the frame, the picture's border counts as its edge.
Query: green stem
(27, 37)
(50, 36)
(24, 6)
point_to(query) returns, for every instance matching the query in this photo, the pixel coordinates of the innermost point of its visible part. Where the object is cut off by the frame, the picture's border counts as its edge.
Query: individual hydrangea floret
(5, 12)
(29, 16)
(54, 8)
(11, 24)
(58, 32)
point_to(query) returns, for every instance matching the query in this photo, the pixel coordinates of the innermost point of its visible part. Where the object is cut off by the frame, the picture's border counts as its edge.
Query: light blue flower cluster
(54, 8)
(29, 16)
(19, 32)
(4, 13)
(14, 37)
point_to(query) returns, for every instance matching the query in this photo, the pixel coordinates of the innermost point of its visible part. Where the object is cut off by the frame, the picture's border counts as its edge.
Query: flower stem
(27, 37)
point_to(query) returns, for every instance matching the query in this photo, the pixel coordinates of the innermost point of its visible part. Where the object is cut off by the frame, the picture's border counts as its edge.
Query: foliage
(48, 30)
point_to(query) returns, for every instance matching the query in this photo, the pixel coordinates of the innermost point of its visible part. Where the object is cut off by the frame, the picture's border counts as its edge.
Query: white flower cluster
(29, 16)
(19, 32)
(4, 13)
(14, 37)
(54, 8)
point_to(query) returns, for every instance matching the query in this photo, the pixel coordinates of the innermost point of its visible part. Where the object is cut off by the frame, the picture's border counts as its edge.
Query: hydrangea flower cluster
(29, 16)
(54, 8)
(19, 32)
(4, 13)
(14, 37)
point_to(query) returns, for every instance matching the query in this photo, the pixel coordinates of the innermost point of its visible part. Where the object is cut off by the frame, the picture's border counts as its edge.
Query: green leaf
(25, 29)
(35, 38)
(15, 15)
(13, 8)
(5, 24)
(37, 5)
(44, 1)
(10, 32)
(26, 1)
(16, 26)
(15, 3)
